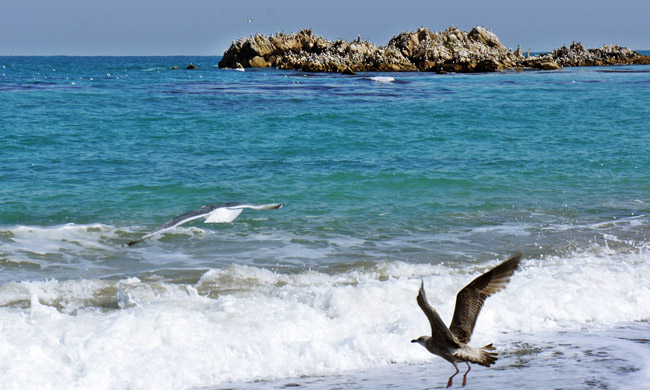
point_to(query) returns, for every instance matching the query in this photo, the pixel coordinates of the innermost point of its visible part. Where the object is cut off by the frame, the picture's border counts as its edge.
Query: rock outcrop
(452, 50)
(577, 55)
(312, 53)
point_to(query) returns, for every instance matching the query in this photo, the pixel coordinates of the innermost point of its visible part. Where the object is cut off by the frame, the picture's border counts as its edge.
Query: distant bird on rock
(451, 343)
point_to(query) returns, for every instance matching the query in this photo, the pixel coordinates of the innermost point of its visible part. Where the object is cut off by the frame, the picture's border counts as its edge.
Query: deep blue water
(415, 169)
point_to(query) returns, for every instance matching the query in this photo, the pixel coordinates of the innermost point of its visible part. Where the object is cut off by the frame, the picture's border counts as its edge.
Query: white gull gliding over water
(213, 213)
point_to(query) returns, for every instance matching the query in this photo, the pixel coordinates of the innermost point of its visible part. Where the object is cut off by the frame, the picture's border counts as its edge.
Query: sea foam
(244, 323)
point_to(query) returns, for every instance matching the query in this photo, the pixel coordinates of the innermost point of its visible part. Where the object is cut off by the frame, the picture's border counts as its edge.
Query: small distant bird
(249, 20)
(451, 343)
(213, 213)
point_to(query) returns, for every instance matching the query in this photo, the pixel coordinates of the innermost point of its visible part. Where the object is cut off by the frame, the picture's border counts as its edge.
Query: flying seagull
(213, 213)
(451, 343)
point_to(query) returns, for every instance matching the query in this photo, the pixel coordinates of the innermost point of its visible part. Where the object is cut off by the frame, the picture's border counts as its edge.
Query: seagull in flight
(450, 343)
(213, 213)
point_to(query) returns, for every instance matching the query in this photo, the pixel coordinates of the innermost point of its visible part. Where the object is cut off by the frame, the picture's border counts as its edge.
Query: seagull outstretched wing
(469, 300)
(439, 331)
(213, 213)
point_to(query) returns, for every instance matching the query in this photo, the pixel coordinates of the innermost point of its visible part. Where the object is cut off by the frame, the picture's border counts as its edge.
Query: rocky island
(452, 50)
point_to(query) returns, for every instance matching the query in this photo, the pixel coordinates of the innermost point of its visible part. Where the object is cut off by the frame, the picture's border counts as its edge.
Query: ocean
(388, 179)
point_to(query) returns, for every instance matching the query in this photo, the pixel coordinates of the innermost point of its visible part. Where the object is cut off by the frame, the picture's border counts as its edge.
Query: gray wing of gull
(470, 299)
(439, 331)
(202, 213)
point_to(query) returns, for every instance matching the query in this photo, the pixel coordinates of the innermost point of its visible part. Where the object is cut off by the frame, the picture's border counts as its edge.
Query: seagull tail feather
(487, 355)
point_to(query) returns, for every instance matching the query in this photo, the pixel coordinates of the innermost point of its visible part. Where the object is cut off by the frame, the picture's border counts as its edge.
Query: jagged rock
(550, 65)
(518, 51)
(546, 64)
(452, 50)
(485, 36)
(191, 66)
(258, 62)
(577, 55)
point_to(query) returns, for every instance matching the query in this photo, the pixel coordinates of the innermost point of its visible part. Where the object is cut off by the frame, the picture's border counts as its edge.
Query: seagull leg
(450, 381)
(466, 372)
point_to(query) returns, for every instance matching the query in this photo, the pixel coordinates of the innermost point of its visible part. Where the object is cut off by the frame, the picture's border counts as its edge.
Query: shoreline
(451, 50)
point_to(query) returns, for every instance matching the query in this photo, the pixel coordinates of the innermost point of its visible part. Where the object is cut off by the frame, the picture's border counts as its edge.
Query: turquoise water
(387, 178)
(130, 142)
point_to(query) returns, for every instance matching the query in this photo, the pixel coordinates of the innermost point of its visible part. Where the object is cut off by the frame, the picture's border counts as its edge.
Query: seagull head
(420, 340)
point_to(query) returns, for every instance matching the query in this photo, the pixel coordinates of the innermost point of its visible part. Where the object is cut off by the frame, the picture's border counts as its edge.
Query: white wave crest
(244, 323)
(382, 79)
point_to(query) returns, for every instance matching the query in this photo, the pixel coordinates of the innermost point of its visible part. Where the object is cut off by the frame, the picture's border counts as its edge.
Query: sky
(208, 27)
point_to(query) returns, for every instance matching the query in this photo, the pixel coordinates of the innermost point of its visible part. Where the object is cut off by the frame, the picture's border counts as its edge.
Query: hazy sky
(207, 27)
